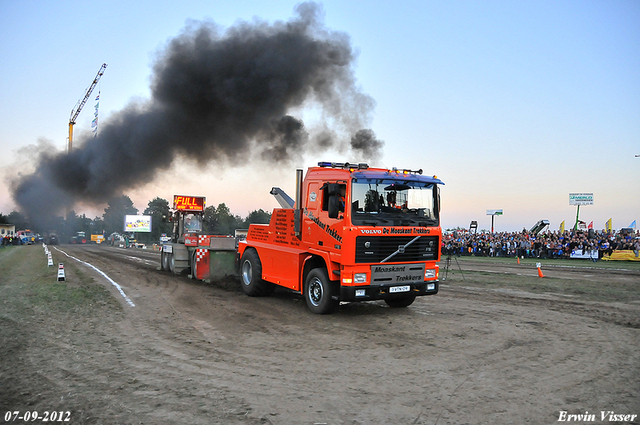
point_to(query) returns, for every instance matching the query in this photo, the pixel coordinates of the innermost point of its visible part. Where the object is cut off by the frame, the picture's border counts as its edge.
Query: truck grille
(374, 249)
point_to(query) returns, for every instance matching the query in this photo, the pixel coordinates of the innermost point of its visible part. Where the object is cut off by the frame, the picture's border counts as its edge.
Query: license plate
(395, 289)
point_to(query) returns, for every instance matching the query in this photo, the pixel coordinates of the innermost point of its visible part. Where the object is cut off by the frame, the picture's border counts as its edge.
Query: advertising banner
(578, 253)
(137, 223)
(581, 199)
(494, 212)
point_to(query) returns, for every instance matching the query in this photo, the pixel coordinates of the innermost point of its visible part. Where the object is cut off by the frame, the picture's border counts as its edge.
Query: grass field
(30, 288)
(605, 281)
(588, 264)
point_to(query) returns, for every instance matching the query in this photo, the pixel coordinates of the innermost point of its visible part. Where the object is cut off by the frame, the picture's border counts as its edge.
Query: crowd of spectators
(549, 244)
(10, 240)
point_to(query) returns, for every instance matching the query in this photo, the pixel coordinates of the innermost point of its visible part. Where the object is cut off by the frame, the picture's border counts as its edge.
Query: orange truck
(353, 233)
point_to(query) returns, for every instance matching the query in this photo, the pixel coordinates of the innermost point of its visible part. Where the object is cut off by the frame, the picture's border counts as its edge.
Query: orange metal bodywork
(323, 240)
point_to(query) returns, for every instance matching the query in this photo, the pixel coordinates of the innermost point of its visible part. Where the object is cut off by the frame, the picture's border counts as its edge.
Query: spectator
(551, 244)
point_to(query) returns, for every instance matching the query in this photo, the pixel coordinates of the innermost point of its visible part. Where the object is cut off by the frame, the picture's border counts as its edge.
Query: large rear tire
(179, 261)
(163, 261)
(194, 259)
(172, 262)
(251, 275)
(318, 292)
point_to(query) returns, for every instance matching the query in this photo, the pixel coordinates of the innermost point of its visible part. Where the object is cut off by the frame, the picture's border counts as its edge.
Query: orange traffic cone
(518, 260)
(539, 271)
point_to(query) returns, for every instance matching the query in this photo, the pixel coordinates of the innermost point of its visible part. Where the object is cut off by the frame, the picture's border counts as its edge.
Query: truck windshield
(390, 203)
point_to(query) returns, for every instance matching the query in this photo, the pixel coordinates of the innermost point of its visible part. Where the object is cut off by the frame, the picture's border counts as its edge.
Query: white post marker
(49, 260)
(61, 272)
(118, 287)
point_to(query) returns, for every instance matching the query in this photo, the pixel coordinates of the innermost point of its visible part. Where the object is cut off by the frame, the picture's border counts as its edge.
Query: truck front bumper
(381, 292)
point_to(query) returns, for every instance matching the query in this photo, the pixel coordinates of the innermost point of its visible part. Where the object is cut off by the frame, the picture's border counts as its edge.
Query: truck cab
(355, 234)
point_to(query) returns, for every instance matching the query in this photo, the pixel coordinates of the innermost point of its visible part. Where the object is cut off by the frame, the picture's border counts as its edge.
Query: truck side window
(333, 198)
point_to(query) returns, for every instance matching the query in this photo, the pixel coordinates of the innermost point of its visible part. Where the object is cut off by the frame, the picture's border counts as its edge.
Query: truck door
(321, 229)
(332, 213)
(312, 211)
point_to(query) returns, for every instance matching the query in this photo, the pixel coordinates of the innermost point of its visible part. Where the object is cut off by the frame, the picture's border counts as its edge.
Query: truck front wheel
(251, 275)
(318, 292)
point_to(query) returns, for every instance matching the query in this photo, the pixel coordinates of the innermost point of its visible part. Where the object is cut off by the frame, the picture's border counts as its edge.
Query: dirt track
(197, 353)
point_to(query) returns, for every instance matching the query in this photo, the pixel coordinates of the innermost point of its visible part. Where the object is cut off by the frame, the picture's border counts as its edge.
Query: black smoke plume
(217, 98)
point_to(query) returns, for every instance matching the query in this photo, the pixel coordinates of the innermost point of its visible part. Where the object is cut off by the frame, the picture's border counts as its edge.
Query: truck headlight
(430, 274)
(431, 286)
(360, 278)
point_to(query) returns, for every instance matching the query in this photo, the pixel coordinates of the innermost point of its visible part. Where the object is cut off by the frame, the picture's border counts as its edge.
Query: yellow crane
(76, 110)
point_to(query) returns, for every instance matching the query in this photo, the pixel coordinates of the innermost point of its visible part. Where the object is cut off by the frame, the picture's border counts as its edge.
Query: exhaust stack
(298, 212)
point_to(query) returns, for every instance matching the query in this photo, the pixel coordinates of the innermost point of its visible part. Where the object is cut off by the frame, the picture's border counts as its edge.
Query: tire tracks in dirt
(205, 353)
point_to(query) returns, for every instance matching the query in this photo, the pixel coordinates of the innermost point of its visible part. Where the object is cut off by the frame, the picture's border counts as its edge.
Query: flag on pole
(608, 226)
(562, 227)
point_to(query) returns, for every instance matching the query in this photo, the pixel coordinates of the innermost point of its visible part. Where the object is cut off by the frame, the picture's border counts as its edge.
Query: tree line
(217, 220)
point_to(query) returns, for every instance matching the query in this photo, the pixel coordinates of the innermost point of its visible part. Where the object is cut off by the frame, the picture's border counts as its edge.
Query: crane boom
(76, 110)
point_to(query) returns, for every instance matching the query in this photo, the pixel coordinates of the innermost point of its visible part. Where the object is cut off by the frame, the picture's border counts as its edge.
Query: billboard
(581, 199)
(137, 223)
(494, 212)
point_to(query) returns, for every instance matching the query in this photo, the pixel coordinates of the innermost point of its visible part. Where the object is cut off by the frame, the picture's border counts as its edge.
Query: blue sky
(514, 105)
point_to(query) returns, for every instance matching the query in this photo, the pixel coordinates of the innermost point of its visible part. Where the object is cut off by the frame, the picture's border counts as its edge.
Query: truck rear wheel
(400, 302)
(179, 260)
(172, 263)
(318, 292)
(251, 275)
